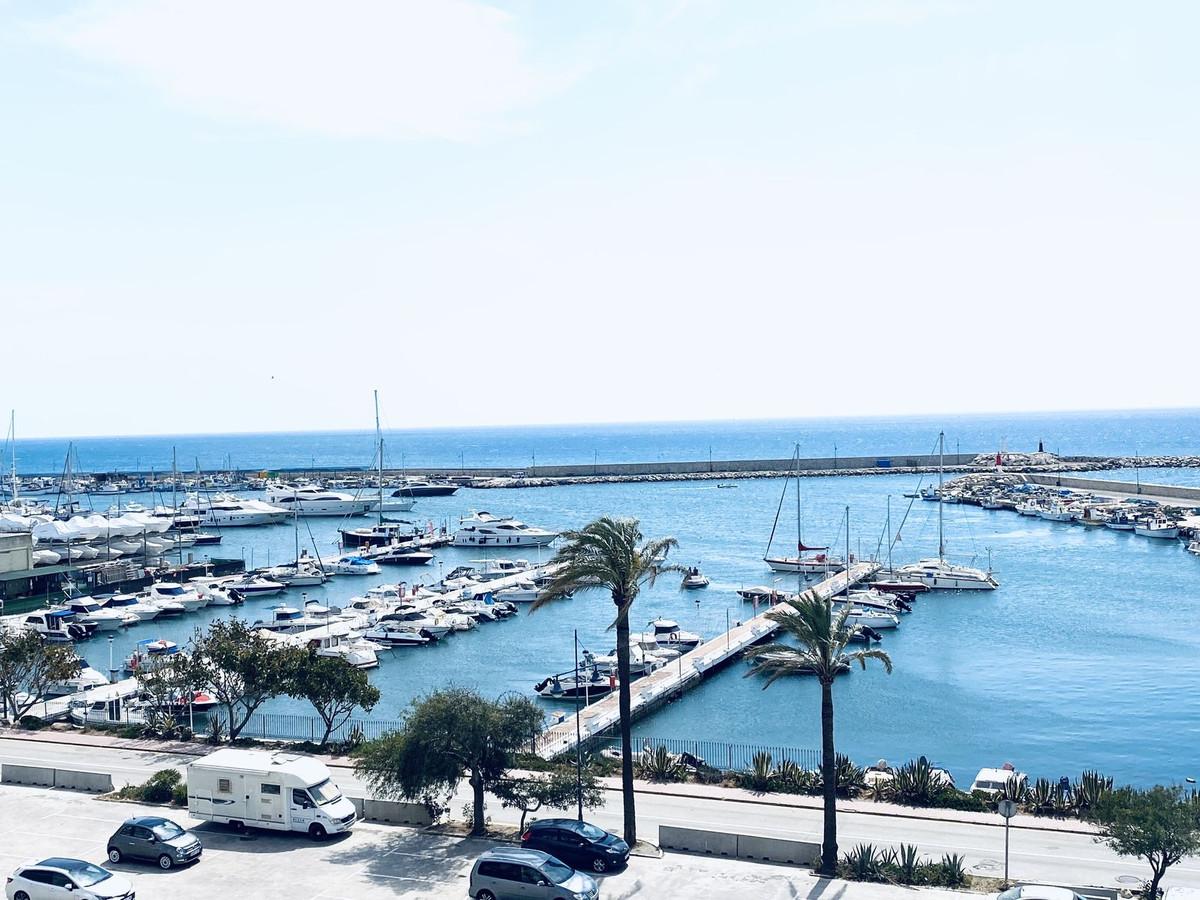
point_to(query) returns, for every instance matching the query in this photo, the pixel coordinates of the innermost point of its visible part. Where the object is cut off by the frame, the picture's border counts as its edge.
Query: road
(1035, 855)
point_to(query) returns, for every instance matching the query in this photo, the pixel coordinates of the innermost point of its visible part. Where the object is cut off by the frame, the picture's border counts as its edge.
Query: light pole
(112, 672)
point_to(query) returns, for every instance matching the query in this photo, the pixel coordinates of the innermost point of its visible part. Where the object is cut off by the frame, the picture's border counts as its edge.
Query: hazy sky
(246, 214)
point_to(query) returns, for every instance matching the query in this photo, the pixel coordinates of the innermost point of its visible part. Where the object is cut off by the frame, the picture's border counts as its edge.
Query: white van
(268, 789)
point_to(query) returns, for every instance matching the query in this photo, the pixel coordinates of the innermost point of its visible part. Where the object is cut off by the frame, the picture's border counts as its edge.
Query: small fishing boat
(151, 653)
(1157, 528)
(1121, 521)
(586, 683)
(694, 579)
(1194, 547)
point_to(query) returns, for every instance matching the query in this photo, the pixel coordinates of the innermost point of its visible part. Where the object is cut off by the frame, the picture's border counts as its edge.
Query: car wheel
(165, 862)
(239, 827)
(485, 895)
(599, 865)
(114, 855)
(316, 831)
(20, 895)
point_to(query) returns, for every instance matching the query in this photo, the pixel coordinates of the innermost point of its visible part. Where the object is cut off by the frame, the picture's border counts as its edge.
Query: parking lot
(375, 861)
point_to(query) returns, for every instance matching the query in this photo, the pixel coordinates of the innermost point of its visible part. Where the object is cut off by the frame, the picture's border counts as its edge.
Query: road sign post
(1008, 809)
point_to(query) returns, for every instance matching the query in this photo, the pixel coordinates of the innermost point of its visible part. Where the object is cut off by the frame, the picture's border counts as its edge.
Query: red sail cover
(801, 547)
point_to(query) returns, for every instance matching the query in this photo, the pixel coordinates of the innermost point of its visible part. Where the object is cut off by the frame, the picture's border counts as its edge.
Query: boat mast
(889, 534)
(941, 523)
(799, 530)
(379, 441)
(12, 436)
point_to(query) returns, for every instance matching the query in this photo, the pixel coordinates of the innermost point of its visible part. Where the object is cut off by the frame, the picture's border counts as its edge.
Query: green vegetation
(904, 866)
(164, 786)
(821, 639)
(560, 788)
(1161, 825)
(448, 735)
(334, 689)
(609, 554)
(28, 666)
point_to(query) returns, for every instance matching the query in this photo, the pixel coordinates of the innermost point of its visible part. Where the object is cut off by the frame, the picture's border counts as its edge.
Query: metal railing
(722, 755)
(291, 727)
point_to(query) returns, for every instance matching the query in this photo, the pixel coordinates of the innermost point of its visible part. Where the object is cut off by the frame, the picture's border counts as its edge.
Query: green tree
(28, 666)
(821, 637)
(609, 554)
(558, 789)
(447, 735)
(334, 689)
(164, 683)
(1161, 825)
(243, 668)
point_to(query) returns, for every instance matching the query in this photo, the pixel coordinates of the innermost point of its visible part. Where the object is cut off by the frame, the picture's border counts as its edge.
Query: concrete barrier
(92, 782)
(393, 812)
(31, 775)
(694, 840)
(778, 850)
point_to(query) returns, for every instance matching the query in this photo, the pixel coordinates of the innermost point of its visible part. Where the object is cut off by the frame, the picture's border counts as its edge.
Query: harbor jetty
(651, 691)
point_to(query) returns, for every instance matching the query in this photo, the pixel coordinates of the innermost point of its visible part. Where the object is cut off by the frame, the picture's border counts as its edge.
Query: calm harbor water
(1085, 657)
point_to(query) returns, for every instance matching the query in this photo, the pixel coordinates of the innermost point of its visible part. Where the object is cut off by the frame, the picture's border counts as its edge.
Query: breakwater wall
(1101, 486)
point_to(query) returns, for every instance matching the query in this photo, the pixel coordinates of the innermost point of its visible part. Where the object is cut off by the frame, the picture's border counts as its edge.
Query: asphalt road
(1052, 856)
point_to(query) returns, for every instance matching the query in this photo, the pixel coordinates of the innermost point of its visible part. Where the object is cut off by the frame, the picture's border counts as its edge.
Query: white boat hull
(1165, 534)
(805, 565)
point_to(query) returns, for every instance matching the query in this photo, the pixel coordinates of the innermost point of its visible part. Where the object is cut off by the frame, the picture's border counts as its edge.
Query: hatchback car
(508, 873)
(154, 839)
(576, 843)
(1038, 892)
(58, 877)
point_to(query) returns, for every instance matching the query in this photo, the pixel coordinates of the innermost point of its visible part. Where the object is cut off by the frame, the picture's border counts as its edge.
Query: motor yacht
(397, 634)
(523, 591)
(586, 683)
(84, 680)
(491, 569)
(227, 511)
(495, 532)
(940, 575)
(305, 572)
(90, 612)
(403, 555)
(254, 586)
(353, 565)
(415, 487)
(428, 621)
(334, 641)
(57, 626)
(151, 653)
(175, 595)
(667, 633)
(694, 579)
(132, 604)
(288, 620)
(312, 500)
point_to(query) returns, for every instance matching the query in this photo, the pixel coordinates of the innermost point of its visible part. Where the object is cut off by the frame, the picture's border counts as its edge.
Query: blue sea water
(1086, 657)
(1106, 433)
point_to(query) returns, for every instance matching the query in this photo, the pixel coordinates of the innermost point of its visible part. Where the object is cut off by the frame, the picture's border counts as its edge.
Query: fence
(289, 727)
(718, 754)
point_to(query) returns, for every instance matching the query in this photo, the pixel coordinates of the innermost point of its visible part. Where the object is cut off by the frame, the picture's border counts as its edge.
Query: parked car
(1038, 892)
(57, 877)
(154, 838)
(576, 843)
(505, 873)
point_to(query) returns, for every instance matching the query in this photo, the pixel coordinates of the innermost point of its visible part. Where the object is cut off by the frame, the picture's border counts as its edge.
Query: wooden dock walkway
(651, 690)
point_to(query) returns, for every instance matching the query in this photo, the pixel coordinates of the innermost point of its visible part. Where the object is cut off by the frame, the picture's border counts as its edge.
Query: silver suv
(507, 873)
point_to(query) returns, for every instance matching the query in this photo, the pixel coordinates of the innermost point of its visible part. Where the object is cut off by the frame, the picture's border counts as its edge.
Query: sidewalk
(684, 790)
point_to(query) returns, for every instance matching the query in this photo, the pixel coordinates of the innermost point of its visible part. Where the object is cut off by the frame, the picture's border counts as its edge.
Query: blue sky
(237, 216)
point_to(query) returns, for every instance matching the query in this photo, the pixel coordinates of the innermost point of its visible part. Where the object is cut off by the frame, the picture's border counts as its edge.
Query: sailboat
(817, 562)
(938, 574)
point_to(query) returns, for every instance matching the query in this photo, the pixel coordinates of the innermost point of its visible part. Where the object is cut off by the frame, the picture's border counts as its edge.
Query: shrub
(1042, 796)
(916, 784)
(850, 778)
(1016, 788)
(760, 776)
(32, 723)
(162, 787)
(908, 863)
(953, 870)
(862, 863)
(1089, 791)
(660, 765)
(216, 730)
(179, 795)
(951, 798)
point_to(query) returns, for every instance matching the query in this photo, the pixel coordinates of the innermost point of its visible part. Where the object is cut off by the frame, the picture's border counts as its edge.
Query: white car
(1038, 892)
(59, 877)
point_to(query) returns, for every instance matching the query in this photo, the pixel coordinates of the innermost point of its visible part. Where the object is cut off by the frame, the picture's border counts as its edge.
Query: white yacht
(305, 572)
(485, 530)
(815, 564)
(397, 634)
(312, 500)
(56, 626)
(1158, 528)
(227, 511)
(86, 679)
(1028, 508)
(132, 603)
(254, 586)
(940, 575)
(1193, 547)
(288, 620)
(88, 611)
(334, 641)
(168, 596)
(524, 591)
(352, 565)
(667, 633)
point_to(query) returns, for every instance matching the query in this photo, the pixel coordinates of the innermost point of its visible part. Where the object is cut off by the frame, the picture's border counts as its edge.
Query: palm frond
(861, 657)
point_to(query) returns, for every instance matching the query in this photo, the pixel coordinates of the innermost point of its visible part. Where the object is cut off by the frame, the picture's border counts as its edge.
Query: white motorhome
(268, 789)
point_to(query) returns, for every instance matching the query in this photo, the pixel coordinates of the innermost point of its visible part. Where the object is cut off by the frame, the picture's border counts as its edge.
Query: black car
(578, 844)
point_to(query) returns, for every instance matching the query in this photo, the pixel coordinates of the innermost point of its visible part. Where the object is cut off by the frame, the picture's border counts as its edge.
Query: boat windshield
(325, 792)
(173, 591)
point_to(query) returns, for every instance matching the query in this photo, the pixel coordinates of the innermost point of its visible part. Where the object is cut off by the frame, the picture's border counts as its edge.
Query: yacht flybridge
(485, 530)
(312, 500)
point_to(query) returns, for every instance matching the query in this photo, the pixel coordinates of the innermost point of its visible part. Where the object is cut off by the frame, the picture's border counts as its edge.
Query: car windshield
(556, 872)
(166, 831)
(85, 874)
(589, 831)
(325, 792)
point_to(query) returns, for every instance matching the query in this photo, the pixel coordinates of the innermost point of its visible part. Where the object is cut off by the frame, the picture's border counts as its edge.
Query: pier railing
(290, 727)
(719, 754)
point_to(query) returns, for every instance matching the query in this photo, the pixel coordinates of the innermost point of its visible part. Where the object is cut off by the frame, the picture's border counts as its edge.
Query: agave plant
(850, 778)
(660, 765)
(1015, 789)
(788, 775)
(954, 870)
(760, 775)
(862, 863)
(883, 790)
(908, 862)
(1089, 790)
(887, 859)
(916, 784)
(1043, 795)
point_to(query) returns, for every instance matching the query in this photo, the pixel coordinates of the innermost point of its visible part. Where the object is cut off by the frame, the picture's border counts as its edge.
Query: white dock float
(57, 707)
(679, 674)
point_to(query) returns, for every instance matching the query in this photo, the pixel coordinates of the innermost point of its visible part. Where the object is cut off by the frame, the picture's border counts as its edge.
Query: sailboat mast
(379, 441)
(889, 533)
(12, 436)
(941, 523)
(847, 551)
(799, 529)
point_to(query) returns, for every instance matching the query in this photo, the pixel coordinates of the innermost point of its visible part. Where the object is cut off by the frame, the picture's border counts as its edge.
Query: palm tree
(821, 639)
(609, 554)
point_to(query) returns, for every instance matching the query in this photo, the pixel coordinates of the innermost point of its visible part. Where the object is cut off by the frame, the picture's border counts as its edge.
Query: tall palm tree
(821, 637)
(610, 554)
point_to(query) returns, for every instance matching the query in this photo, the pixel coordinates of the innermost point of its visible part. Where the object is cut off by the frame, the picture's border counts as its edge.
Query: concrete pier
(652, 690)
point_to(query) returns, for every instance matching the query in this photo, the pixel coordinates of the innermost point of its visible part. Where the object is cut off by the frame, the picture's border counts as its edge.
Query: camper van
(268, 789)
